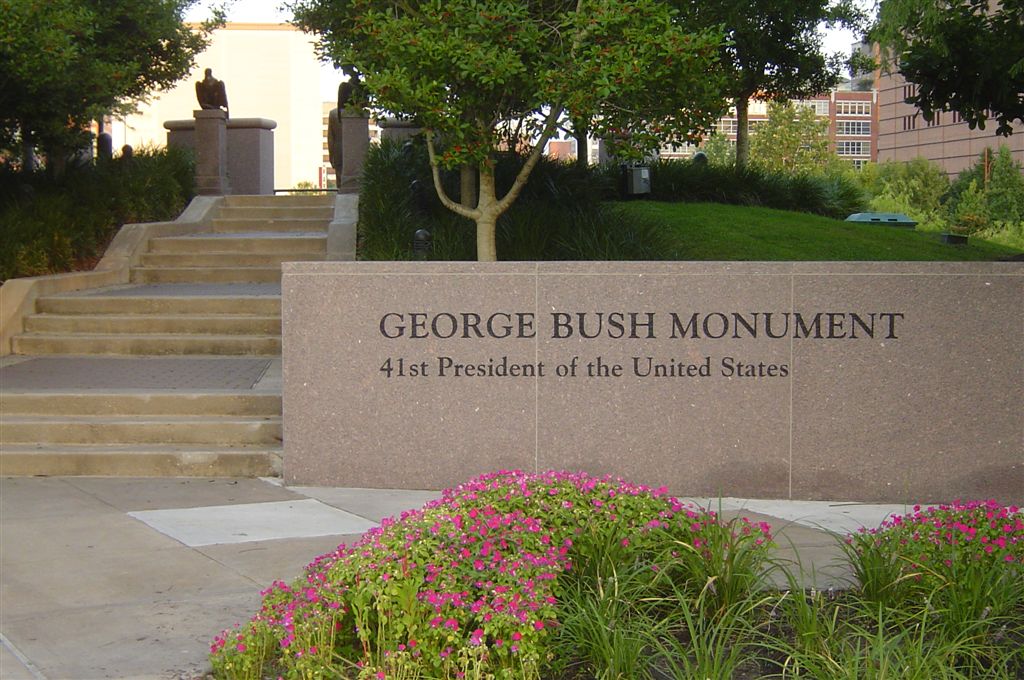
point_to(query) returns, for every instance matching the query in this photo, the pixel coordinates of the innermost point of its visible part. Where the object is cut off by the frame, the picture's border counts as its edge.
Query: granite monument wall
(850, 381)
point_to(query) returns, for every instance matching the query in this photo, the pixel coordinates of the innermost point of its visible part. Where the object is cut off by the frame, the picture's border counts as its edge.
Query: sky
(269, 11)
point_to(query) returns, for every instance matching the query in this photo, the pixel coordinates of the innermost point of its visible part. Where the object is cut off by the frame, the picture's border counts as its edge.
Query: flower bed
(470, 584)
(561, 575)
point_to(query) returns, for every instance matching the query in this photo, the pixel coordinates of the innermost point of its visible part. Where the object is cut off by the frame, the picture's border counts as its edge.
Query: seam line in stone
(792, 371)
(536, 379)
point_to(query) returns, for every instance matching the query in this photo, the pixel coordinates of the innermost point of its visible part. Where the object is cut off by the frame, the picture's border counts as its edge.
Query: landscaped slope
(712, 231)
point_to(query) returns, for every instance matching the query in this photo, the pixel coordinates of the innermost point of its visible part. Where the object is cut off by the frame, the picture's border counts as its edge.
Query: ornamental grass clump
(477, 583)
(946, 547)
(959, 570)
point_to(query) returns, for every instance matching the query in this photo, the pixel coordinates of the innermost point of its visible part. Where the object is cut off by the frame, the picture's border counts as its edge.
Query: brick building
(852, 124)
(903, 134)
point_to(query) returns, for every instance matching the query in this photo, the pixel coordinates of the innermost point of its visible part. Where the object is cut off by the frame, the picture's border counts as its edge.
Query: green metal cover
(891, 219)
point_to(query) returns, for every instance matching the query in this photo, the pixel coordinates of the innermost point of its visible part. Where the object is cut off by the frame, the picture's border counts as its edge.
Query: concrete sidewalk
(132, 578)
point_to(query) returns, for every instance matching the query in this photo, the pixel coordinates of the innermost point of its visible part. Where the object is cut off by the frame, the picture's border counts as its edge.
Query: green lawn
(713, 231)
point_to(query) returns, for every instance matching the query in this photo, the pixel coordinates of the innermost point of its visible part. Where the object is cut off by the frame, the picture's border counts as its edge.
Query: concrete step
(256, 305)
(236, 243)
(249, 200)
(323, 213)
(124, 403)
(219, 430)
(128, 460)
(157, 345)
(280, 225)
(206, 274)
(205, 259)
(224, 324)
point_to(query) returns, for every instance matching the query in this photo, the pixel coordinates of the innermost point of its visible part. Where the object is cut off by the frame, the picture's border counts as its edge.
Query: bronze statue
(348, 107)
(211, 93)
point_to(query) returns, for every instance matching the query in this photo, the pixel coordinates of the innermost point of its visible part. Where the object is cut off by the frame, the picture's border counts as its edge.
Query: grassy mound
(712, 231)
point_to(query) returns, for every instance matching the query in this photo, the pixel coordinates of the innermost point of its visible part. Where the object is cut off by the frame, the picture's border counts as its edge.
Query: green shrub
(50, 227)
(923, 183)
(1005, 191)
(971, 214)
(560, 215)
(477, 584)
(835, 194)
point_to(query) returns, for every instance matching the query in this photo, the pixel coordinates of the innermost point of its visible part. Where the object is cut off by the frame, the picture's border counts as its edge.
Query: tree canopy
(483, 76)
(963, 55)
(773, 50)
(792, 139)
(65, 62)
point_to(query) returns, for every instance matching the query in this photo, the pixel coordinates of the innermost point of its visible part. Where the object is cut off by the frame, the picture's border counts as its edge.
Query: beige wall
(903, 134)
(270, 71)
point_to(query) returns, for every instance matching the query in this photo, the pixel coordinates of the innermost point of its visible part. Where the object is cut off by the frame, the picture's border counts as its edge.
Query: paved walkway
(131, 578)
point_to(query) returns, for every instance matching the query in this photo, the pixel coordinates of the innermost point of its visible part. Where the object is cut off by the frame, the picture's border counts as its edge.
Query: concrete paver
(266, 561)
(129, 495)
(13, 664)
(373, 504)
(227, 524)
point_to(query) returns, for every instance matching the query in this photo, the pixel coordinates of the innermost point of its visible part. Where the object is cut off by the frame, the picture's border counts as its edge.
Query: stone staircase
(141, 434)
(210, 293)
(174, 374)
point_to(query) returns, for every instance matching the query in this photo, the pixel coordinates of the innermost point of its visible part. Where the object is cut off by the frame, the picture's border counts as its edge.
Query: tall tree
(482, 76)
(792, 139)
(773, 49)
(963, 55)
(65, 62)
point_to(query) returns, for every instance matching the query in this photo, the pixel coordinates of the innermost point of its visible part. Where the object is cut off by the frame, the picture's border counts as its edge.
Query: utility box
(638, 180)
(888, 219)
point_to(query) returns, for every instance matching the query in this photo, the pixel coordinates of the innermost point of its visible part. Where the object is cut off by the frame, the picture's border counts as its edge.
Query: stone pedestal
(398, 130)
(355, 141)
(251, 155)
(211, 146)
(250, 151)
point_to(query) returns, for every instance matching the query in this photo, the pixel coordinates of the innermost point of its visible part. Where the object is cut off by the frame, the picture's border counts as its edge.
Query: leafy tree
(1005, 191)
(719, 150)
(483, 76)
(971, 214)
(66, 62)
(963, 55)
(792, 139)
(921, 180)
(772, 50)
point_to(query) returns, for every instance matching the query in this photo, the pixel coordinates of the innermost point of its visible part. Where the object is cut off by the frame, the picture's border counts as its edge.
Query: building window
(853, 108)
(910, 122)
(956, 117)
(909, 90)
(936, 120)
(820, 106)
(845, 148)
(858, 163)
(853, 127)
(726, 126)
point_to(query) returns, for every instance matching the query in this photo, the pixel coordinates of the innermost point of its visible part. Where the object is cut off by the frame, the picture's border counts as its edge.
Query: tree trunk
(742, 136)
(28, 152)
(467, 186)
(579, 131)
(486, 222)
